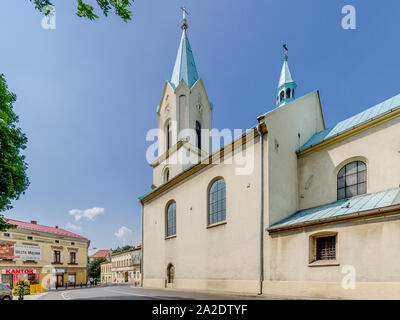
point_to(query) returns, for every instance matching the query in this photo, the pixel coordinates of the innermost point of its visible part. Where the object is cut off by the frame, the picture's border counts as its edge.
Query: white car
(5, 292)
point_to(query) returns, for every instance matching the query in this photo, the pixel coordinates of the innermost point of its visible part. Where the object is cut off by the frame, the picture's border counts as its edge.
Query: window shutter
(76, 257)
(54, 257)
(61, 256)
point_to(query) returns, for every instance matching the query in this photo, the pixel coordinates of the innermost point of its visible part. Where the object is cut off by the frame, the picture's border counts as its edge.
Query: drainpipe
(142, 251)
(261, 130)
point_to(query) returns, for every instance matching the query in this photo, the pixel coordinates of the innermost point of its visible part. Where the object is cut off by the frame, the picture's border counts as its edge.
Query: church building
(288, 208)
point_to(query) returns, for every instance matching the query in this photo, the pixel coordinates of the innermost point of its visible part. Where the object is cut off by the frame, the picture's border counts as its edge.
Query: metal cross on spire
(286, 49)
(184, 25)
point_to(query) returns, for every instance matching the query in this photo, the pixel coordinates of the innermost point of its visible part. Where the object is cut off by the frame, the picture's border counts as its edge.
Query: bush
(24, 288)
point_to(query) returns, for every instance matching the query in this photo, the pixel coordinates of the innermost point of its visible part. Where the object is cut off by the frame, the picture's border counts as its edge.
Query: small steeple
(286, 87)
(185, 67)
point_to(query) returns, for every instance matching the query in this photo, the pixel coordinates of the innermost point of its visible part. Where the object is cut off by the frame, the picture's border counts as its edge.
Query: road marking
(65, 296)
(135, 294)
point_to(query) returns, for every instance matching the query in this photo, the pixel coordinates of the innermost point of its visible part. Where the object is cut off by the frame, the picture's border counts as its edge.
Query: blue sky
(88, 91)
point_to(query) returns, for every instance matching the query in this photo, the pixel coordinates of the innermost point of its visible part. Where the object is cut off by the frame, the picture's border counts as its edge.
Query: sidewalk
(35, 296)
(248, 296)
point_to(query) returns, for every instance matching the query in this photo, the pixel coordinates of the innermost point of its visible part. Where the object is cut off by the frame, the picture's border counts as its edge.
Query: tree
(94, 269)
(124, 248)
(120, 7)
(13, 178)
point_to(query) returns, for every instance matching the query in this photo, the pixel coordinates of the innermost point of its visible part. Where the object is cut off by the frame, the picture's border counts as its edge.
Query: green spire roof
(285, 93)
(185, 67)
(286, 76)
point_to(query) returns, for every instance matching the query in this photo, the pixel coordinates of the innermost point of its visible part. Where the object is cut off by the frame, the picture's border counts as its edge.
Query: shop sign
(59, 271)
(27, 253)
(11, 251)
(18, 271)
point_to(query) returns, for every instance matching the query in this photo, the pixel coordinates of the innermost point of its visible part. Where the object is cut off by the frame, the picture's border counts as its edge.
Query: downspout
(260, 130)
(142, 251)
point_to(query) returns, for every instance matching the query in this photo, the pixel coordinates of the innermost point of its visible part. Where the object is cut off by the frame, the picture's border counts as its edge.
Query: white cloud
(88, 214)
(71, 226)
(124, 235)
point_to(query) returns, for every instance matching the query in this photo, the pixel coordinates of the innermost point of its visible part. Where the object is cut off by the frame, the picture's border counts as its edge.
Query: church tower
(184, 116)
(286, 87)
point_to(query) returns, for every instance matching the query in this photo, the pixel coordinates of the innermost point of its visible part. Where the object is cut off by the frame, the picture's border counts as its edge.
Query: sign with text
(18, 271)
(11, 251)
(27, 253)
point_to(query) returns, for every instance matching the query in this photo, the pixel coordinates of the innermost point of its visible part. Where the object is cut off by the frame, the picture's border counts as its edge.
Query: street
(126, 292)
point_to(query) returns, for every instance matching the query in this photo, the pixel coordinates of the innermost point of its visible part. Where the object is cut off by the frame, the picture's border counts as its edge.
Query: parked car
(5, 292)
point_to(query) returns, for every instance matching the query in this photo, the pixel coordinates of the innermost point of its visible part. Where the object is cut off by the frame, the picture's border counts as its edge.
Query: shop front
(59, 277)
(10, 276)
(76, 276)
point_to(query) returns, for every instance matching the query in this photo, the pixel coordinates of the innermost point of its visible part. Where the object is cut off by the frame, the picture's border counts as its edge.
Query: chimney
(33, 222)
(56, 227)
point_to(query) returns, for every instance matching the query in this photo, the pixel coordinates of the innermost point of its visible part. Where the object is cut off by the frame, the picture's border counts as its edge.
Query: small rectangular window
(29, 238)
(326, 248)
(72, 243)
(56, 241)
(6, 235)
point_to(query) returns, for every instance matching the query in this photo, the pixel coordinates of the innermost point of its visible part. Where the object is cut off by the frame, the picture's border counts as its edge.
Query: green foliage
(120, 7)
(94, 269)
(25, 288)
(13, 179)
(124, 248)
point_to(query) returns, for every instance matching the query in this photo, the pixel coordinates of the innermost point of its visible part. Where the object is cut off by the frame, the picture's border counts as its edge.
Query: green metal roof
(286, 75)
(370, 114)
(185, 67)
(342, 208)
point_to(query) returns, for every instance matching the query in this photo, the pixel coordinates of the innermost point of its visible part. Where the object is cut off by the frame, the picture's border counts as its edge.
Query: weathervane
(286, 49)
(184, 25)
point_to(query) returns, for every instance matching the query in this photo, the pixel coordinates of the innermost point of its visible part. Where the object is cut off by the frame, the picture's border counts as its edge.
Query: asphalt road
(126, 292)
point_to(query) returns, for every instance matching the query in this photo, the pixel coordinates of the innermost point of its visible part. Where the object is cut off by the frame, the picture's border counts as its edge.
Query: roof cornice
(349, 133)
(375, 213)
(210, 160)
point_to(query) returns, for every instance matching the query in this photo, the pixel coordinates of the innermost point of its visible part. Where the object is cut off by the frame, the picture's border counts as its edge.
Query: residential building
(42, 254)
(106, 272)
(288, 208)
(125, 267)
(100, 254)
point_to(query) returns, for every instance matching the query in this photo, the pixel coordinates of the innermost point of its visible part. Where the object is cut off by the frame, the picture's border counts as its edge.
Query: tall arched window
(217, 202)
(166, 175)
(169, 135)
(351, 180)
(198, 134)
(171, 219)
(288, 91)
(170, 273)
(282, 95)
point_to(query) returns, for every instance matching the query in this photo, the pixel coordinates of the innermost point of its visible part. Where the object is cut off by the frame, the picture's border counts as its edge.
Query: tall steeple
(185, 67)
(286, 87)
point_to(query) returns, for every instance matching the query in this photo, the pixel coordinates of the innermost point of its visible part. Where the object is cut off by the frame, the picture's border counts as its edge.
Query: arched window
(198, 134)
(351, 180)
(288, 93)
(282, 95)
(166, 175)
(217, 202)
(171, 219)
(170, 273)
(169, 135)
